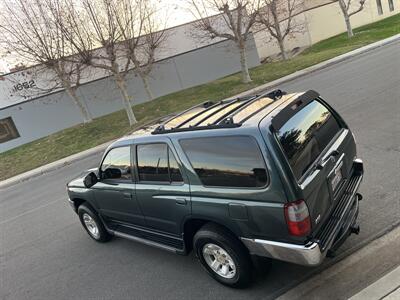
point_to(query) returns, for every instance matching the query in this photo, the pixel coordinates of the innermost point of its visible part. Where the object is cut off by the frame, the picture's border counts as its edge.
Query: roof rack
(274, 95)
(211, 109)
(204, 105)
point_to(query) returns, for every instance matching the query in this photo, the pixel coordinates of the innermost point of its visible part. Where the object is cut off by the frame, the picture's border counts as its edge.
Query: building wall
(267, 46)
(45, 115)
(324, 22)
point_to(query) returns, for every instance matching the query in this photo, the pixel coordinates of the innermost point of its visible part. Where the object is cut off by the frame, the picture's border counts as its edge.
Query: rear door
(161, 189)
(319, 149)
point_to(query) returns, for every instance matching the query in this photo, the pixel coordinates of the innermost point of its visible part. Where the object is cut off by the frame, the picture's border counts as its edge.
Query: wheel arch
(192, 224)
(79, 201)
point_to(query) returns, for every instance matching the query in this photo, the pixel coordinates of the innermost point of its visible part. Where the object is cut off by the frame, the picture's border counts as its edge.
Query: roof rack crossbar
(224, 116)
(199, 114)
(220, 109)
(222, 103)
(205, 104)
(274, 95)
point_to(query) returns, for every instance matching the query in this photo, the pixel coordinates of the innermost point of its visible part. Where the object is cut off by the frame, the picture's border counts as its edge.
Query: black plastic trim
(286, 113)
(330, 229)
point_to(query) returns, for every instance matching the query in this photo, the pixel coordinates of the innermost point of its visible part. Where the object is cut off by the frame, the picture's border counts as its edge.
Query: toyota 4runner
(273, 175)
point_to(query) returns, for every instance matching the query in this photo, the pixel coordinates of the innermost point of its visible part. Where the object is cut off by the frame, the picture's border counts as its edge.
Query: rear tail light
(297, 218)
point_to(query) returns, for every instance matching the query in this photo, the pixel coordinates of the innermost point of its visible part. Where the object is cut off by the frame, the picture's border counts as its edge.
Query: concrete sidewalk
(371, 273)
(388, 288)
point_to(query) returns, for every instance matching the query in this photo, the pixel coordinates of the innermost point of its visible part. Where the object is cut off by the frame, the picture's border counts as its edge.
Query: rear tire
(92, 224)
(223, 256)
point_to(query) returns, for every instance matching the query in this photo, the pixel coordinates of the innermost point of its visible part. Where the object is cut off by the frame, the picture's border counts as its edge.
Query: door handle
(180, 200)
(127, 195)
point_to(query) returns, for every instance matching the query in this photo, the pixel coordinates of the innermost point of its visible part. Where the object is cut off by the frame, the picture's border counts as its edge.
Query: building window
(8, 131)
(391, 5)
(379, 5)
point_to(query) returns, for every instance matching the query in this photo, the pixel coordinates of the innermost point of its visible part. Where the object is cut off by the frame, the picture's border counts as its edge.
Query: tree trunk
(282, 48)
(126, 99)
(243, 64)
(279, 37)
(346, 18)
(71, 91)
(350, 33)
(145, 80)
(87, 118)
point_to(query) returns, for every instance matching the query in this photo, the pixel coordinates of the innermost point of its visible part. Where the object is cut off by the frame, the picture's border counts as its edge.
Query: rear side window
(156, 162)
(234, 161)
(306, 134)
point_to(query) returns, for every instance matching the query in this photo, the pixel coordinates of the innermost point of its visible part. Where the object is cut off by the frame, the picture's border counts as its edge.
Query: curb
(78, 156)
(384, 288)
(53, 166)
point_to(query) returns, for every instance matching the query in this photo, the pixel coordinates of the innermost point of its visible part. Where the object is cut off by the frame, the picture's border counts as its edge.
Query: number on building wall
(24, 86)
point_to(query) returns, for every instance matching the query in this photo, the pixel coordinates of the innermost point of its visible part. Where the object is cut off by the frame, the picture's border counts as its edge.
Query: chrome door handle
(127, 195)
(180, 200)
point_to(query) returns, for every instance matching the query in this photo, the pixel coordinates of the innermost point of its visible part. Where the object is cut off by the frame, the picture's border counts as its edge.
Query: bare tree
(278, 17)
(29, 31)
(143, 41)
(114, 26)
(235, 20)
(152, 43)
(349, 8)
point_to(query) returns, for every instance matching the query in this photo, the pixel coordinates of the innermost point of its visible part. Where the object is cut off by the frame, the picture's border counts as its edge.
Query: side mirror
(90, 180)
(112, 173)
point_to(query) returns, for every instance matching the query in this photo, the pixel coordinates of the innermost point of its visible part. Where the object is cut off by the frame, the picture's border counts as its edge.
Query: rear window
(306, 134)
(233, 161)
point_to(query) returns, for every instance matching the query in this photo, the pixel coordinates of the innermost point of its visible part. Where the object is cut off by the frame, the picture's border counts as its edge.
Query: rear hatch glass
(306, 134)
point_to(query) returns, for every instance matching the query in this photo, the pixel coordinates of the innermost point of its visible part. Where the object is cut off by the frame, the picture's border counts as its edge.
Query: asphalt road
(45, 254)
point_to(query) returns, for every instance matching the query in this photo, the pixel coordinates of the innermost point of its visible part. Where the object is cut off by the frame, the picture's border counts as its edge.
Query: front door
(161, 189)
(115, 192)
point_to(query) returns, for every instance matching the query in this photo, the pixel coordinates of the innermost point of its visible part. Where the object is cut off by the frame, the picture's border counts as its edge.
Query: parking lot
(44, 252)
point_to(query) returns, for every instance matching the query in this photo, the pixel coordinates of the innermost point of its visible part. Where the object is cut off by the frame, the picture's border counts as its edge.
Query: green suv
(273, 175)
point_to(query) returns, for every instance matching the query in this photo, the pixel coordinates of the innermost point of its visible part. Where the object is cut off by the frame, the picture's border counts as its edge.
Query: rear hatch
(319, 149)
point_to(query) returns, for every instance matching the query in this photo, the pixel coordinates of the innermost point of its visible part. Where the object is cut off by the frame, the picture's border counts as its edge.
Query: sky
(177, 10)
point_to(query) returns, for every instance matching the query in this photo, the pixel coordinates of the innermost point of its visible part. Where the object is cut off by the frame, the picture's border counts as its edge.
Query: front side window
(232, 161)
(306, 134)
(156, 162)
(117, 164)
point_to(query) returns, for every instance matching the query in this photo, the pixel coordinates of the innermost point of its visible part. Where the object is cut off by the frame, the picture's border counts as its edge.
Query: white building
(27, 113)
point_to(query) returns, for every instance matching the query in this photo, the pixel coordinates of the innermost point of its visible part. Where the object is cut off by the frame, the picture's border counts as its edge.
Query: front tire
(223, 256)
(92, 224)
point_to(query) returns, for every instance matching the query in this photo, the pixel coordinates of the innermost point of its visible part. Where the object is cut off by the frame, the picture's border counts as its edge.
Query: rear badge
(318, 219)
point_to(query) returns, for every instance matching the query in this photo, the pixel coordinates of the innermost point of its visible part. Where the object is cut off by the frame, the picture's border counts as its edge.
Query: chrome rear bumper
(313, 253)
(309, 255)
